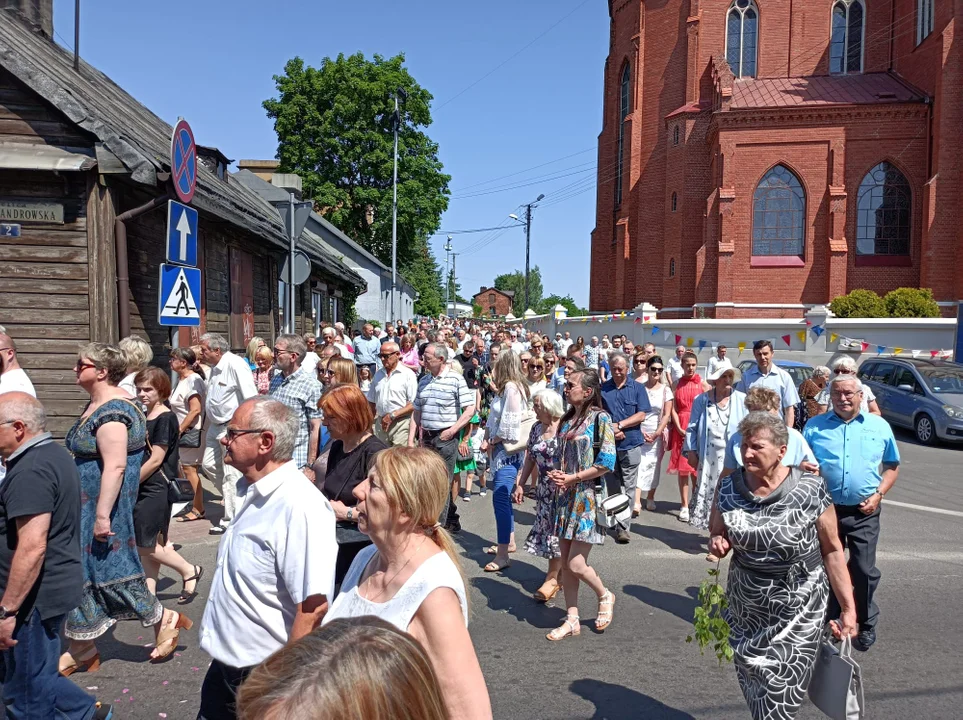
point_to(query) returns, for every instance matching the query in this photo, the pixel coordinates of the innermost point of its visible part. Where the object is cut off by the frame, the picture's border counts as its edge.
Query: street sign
(178, 300)
(181, 234)
(183, 161)
(302, 268)
(302, 211)
(9, 230)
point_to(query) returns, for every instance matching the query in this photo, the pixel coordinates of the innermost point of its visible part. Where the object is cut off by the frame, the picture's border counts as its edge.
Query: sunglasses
(656, 370)
(844, 371)
(537, 366)
(385, 356)
(81, 366)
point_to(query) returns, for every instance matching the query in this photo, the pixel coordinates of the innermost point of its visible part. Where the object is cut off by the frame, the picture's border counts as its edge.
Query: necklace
(388, 583)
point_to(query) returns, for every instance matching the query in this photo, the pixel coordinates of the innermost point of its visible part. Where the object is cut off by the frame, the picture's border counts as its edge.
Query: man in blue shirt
(851, 448)
(366, 349)
(627, 402)
(766, 373)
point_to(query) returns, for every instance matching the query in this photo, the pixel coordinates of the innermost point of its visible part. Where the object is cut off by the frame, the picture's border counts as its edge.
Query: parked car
(798, 371)
(923, 395)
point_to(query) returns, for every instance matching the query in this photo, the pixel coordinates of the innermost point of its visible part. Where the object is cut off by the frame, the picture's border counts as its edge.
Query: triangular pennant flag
(880, 349)
(819, 330)
(916, 353)
(623, 314)
(808, 323)
(678, 339)
(667, 335)
(897, 351)
(742, 346)
(655, 329)
(864, 346)
(832, 337)
(637, 321)
(646, 318)
(702, 344)
(802, 336)
(715, 346)
(934, 353)
(788, 340)
(688, 342)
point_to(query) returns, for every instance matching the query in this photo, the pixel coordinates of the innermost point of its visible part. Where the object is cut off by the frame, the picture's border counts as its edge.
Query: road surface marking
(939, 511)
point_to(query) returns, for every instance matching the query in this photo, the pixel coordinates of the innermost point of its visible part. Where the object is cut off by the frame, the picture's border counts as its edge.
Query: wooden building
(84, 171)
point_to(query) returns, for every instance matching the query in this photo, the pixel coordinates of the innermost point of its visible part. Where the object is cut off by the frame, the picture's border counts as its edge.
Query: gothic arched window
(778, 214)
(846, 46)
(742, 35)
(624, 97)
(884, 211)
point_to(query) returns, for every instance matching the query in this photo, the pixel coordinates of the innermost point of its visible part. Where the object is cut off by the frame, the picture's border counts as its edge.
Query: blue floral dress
(541, 540)
(575, 513)
(114, 585)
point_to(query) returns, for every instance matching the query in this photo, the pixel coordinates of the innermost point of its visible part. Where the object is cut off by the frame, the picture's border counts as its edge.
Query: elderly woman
(587, 453)
(250, 353)
(139, 355)
(410, 575)
(808, 391)
(542, 456)
(505, 426)
(107, 443)
(847, 366)
(780, 523)
(714, 419)
(263, 369)
(409, 352)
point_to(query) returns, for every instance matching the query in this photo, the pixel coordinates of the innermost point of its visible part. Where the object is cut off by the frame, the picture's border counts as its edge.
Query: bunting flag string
(702, 344)
(802, 336)
(678, 339)
(833, 337)
(688, 342)
(742, 347)
(655, 329)
(788, 340)
(818, 329)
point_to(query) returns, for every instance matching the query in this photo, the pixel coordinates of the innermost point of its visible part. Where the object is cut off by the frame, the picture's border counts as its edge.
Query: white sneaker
(684, 515)
(483, 492)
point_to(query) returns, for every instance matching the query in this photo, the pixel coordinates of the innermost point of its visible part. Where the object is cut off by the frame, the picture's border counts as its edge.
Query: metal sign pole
(394, 220)
(291, 284)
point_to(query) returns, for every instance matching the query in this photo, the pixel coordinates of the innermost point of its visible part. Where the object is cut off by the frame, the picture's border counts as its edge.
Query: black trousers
(859, 533)
(449, 453)
(219, 691)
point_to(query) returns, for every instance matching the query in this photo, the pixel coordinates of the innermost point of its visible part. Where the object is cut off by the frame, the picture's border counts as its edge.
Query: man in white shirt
(231, 382)
(310, 361)
(718, 361)
(275, 566)
(518, 347)
(392, 396)
(12, 376)
(675, 365)
(330, 337)
(562, 345)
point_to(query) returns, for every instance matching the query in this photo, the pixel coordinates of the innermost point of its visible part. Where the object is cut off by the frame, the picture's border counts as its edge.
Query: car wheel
(925, 430)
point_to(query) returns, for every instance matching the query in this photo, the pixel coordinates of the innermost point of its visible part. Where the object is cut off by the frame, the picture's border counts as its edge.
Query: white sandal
(571, 627)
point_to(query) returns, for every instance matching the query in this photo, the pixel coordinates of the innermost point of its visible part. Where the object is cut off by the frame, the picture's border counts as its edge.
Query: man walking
(275, 566)
(366, 349)
(12, 376)
(443, 406)
(299, 389)
(717, 361)
(675, 365)
(310, 361)
(627, 402)
(40, 568)
(858, 457)
(230, 383)
(329, 336)
(392, 396)
(766, 373)
(592, 353)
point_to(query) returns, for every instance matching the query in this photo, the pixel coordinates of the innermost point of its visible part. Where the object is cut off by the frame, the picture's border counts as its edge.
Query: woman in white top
(187, 402)
(653, 427)
(410, 575)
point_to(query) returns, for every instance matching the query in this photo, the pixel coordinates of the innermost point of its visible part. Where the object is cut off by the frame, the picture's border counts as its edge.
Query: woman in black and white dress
(780, 524)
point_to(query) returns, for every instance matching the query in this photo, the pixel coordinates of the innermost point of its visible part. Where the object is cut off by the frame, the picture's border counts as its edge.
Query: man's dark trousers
(448, 450)
(33, 687)
(859, 533)
(219, 691)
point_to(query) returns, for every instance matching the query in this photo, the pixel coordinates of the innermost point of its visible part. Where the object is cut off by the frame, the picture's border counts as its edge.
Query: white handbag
(836, 687)
(610, 510)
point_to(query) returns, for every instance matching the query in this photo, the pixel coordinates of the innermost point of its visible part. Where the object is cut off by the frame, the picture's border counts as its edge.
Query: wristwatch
(5, 613)
(350, 513)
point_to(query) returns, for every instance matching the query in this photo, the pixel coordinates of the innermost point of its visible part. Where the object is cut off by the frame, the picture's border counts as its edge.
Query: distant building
(494, 302)
(758, 156)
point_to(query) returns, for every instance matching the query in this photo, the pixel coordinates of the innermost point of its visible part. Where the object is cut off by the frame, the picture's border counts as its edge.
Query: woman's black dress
(152, 511)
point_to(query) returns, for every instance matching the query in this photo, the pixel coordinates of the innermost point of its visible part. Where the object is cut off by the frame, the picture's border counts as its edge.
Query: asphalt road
(641, 667)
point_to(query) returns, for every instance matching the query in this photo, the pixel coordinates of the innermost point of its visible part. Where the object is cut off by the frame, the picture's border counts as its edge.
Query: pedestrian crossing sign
(179, 296)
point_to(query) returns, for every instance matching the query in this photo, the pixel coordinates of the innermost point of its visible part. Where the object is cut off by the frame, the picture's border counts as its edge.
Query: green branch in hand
(709, 626)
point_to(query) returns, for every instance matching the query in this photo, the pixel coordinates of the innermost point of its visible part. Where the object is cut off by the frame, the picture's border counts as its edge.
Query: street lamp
(527, 222)
(396, 122)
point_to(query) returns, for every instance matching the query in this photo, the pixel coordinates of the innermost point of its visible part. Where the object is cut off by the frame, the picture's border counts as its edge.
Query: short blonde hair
(105, 357)
(344, 371)
(137, 352)
(252, 348)
(763, 399)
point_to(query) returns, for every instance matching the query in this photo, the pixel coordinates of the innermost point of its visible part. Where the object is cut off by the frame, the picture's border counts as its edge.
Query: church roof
(823, 90)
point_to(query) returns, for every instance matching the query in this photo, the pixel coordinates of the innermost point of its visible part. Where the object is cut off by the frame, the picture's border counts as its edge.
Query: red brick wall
(503, 303)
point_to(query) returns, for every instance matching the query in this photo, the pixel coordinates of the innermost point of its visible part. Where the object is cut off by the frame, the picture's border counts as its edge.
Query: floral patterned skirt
(575, 514)
(542, 540)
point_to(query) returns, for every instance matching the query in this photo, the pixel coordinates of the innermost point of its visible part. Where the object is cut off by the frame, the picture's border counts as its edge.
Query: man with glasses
(230, 383)
(766, 373)
(299, 389)
(275, 567)
(858, 457)
(392, 396)
(846, 366)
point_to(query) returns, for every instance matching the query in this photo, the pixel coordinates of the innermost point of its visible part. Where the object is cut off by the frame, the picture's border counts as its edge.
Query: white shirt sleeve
(411, 387)
(245, 380)
(307, 561)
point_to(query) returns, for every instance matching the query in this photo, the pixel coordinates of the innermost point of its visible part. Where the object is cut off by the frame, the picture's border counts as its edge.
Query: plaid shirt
(300, 391)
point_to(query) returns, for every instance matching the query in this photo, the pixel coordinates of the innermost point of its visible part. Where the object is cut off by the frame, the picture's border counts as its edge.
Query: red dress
(686, 392)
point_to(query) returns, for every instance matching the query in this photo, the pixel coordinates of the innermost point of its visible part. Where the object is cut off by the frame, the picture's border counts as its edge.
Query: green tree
(335, 129)
(859, 304)
(548, 306)
(515, 281)
(911, 303)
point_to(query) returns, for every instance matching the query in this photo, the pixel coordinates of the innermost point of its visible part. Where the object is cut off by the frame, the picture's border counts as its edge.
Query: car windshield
(799, 374)
(944, 380)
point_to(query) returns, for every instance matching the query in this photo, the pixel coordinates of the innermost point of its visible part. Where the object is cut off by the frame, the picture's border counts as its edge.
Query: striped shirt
(441, 400)
(300, 391)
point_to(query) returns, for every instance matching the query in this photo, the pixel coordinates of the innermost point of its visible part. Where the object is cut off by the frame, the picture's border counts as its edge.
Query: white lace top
(436, 572)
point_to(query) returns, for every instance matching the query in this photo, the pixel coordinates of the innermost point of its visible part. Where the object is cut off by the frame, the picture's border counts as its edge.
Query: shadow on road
(686, 542)
(682, 606)
(615, 701)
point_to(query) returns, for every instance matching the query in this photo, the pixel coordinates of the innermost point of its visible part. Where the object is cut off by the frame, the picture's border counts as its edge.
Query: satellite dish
(302, 268)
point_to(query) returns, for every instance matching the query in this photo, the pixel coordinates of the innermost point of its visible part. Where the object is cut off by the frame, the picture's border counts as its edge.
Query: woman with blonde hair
(504, 428)
(138, 356)
(326, 668)
(410, 576)
(251, 353)
(339, 371)
(263, 369)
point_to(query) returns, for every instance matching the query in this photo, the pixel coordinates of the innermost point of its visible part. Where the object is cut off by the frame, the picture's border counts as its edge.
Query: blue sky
(212, 61)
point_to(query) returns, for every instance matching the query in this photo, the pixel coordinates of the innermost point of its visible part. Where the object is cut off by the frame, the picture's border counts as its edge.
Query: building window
(623, 113)
(742, 31)
(846, 46)
(924, 19)
(675, 202)
(778, 212)
(671, 267)
(675, 135)
(884, 205)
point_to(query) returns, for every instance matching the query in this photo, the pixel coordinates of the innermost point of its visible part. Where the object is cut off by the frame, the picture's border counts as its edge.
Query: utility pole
(396, 122)
(292, 239)
(453, 284)
(528, 241)
(447, 284)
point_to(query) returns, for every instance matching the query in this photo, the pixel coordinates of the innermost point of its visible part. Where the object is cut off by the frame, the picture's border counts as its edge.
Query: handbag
(190, 439)
(610, 510)
(524, 430)
(836, 686)
(179, 490)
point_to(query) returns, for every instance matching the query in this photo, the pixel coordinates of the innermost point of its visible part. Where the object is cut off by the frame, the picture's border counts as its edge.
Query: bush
(859, 304)
(911, 303)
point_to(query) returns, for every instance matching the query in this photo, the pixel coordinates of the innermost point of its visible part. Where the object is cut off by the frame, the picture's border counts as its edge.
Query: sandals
(495, 567)
(187, 597)
(637, 510)
(493, 550)
(650, 505)
(606, 606)
(88, 664)
(569, 627)
(548, 590)
(191, 516)
(171, 635)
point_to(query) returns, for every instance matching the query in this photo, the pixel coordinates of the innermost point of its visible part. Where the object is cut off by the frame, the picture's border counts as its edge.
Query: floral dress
(541, 540)
(576, 507)
(114, 585)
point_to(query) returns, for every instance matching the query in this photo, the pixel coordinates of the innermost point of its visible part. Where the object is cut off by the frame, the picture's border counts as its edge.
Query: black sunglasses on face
(655, 369)
(385, 356)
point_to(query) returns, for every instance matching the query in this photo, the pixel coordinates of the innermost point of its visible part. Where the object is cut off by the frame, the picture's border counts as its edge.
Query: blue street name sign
(181, 234)
(178, 302)
(9, 230)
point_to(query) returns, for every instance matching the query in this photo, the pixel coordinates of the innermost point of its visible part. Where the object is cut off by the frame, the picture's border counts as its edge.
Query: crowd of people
(340, 466)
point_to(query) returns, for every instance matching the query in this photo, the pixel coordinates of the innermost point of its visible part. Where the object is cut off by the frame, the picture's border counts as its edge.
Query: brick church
(761, 156)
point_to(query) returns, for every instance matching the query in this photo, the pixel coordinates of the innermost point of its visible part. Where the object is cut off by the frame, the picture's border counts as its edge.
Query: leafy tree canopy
(335, 129)
(516, 281)
(548, 306)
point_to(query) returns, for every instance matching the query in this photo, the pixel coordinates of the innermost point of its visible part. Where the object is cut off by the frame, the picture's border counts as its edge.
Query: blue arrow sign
(178, 302)
(181, 234)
